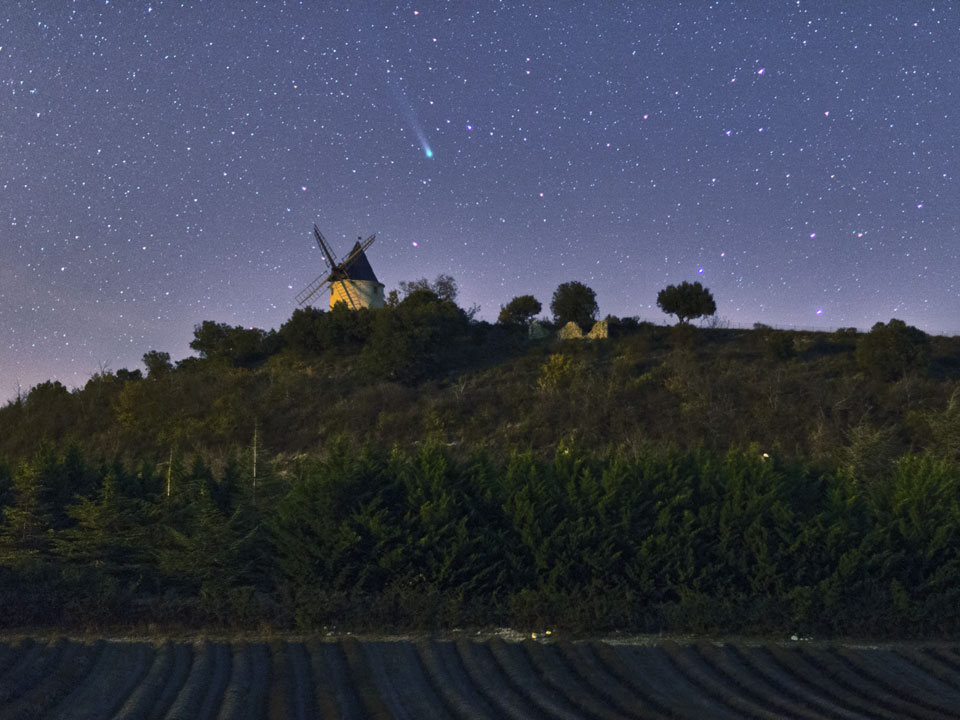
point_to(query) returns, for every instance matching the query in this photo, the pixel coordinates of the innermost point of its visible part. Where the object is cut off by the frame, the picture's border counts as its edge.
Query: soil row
(349, 679)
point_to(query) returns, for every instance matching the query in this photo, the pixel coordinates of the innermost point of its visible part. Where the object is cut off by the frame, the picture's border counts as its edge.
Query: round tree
(574, 301)
(891, 351)
(519, 311)
(687, 301)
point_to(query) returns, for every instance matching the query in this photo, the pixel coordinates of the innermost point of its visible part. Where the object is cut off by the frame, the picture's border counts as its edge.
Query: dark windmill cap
(360, 268)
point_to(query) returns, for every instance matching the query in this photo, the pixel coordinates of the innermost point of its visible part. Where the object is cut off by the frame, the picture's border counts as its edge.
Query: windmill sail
(312, 289)
(351, 280)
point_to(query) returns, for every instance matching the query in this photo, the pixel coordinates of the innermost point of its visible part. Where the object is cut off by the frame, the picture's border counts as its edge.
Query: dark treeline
(681, 541)
(412, 467)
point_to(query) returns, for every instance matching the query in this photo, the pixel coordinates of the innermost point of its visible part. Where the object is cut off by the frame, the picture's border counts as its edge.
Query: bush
(779, 345)
(422, 337)
(891, 351)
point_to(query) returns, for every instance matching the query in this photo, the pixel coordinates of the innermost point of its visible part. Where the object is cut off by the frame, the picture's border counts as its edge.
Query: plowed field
(493, 678)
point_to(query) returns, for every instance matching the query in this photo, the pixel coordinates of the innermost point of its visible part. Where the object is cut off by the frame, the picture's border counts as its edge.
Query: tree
(129, 375)
(687, 301)
(157, 363)
(103, 535)
(890, 351)
(444, 287)
(240, 346)
(25, 533)
(423, 335)
(574, 301)
(519, 311)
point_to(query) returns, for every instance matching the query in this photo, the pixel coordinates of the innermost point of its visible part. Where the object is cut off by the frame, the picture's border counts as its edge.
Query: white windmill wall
(357, 293)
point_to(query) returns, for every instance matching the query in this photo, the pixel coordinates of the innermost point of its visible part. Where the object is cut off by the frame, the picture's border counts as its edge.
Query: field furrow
(499, 689)
(738, 675)
(760, 661)
(232, 707)
(276, 674)
(899, 677)
(352, 679)
(217, 685)
(30, 669)
(258, 694)
(335, 691)
(947, 657)
(146, 695)
(11, 652)
(281, 676)
(75, 664)
(548, 663)
(930, 666)
(516, 665)
(448, 676)
(659, 678)
(858, 683)
(119, 669)
(650, 693)
(402, 702)
(580, 660)
(896, 696)
(297, 683)
(692, 666)
(369, 691)
(187, 703)
(184, 658)
(405, 673)
(824, 684)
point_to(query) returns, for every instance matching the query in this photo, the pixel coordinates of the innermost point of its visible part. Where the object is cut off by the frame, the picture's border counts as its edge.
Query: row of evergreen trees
(651, 540)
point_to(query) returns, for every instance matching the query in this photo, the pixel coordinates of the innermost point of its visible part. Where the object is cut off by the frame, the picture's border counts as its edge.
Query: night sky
(163, 164)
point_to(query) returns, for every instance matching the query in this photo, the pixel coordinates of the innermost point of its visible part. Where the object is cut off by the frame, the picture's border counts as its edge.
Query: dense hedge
(650, 540)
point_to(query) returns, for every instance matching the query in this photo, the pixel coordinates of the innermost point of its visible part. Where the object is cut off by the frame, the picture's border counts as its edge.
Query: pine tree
(25, 536)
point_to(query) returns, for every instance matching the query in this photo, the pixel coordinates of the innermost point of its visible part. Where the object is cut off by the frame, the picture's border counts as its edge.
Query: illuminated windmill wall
(351, 281)
(361, 288)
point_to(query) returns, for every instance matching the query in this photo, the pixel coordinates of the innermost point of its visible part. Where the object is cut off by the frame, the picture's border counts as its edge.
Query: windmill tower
(351, 280)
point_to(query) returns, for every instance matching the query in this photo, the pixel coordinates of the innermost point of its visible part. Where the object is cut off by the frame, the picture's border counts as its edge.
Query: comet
(414, 122)
(421, 136)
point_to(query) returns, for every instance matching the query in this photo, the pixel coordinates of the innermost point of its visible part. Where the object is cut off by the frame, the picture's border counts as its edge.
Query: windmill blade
(346, 291)
(328, 257)
(352, 257)
(313, 288)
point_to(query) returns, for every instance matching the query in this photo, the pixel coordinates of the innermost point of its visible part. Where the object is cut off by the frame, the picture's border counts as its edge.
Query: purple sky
(163, 164)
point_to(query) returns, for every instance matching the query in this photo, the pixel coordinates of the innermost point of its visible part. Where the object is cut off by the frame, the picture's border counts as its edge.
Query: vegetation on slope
(412, 467)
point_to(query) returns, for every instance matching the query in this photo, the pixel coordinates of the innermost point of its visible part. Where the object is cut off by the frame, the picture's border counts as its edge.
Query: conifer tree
(26, 533)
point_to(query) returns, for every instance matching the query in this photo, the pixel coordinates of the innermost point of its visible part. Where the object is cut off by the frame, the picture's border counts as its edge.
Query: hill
(424, 369)
(412, 468)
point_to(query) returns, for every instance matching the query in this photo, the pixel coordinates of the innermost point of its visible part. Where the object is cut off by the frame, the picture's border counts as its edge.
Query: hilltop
(424, 369)
(411, 468)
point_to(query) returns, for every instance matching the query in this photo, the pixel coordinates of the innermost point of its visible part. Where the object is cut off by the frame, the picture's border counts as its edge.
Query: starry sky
(163, 163)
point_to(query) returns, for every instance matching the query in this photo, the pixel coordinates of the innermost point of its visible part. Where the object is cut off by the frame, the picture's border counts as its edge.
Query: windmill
(350, 280)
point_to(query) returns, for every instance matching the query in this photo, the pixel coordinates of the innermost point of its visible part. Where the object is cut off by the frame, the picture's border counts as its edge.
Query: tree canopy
(240, 346)
(574, 301)
(157, 363)
(687, 301)
(890, 351)
(443, 286)
(519, 311)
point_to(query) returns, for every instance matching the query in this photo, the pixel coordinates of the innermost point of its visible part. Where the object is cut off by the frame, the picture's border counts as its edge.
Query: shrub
(890, 351)
(779, 345)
